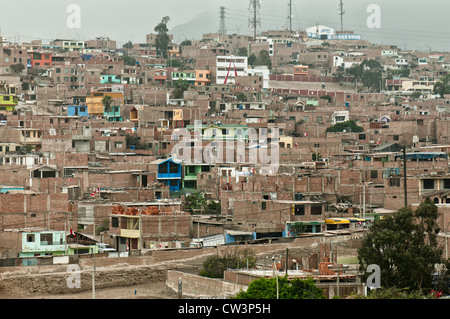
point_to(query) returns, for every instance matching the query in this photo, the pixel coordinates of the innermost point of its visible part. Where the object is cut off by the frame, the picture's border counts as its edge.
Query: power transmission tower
(341, 13)
(222, 29)
(254, 19)
(290, 15)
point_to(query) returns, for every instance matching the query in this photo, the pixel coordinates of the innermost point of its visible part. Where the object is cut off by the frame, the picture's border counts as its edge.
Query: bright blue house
(77, 110)
(169, 173)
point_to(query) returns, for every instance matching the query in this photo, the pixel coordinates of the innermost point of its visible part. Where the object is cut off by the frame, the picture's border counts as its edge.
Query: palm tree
(107, 100)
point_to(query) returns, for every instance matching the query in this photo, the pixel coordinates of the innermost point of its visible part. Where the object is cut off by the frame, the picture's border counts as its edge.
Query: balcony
(130, 233)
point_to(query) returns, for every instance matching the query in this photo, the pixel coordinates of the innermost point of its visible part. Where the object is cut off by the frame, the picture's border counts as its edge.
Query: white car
(104, 248)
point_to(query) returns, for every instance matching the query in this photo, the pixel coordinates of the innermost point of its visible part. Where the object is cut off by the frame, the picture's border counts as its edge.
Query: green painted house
(189, 77)
(190, 174)
(221, 132)
(51, 243)
(112, 114)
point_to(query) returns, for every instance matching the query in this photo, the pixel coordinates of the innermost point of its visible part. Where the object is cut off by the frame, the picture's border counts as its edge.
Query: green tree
(17, 68)
(107, 101)
(265, 288)
(368, 72)
(240, 97)
(442, 86)
(128, 45)
(103, 227)
(215, 265)
(348, 126)
(242, 51)
(405, 248)
(327, 97)
(194, 203)
(186, 43)
(25, 86)
(180, 86)
(263, 58)
(128, 60)
(162, 39)
(134, 140)
(251, 59)
(213, 207)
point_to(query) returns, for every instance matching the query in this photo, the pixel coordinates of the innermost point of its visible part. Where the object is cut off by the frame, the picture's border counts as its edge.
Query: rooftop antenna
(222, 29)
(341, 13)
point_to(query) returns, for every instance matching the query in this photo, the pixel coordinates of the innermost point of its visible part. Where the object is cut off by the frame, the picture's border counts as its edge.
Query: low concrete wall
(194, 286)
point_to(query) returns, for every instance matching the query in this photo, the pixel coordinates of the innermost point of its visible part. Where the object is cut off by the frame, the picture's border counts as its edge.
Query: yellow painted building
(95, 104)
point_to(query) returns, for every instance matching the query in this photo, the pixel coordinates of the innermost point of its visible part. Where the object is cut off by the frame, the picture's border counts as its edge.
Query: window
(394, 182)
(163, 168)
(373, 174)
(428, 184)
(30, 238)
(316, 210)
(115, 222)
(173, 168)
(446, 183)
(263, 205)
(299, 210)
(46, 239)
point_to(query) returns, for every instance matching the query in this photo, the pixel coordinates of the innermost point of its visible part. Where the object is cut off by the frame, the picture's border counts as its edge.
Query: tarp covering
(423, 155)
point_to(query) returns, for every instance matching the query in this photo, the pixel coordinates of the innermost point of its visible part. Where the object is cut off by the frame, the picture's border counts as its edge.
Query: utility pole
(404, 175)
(287, 260)
(93, 281)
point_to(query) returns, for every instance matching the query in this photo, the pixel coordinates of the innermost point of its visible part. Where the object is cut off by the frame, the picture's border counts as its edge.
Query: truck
(104, 248)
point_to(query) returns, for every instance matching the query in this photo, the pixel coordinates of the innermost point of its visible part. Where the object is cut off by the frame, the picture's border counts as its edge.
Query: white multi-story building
(320, 32)
(228, 67)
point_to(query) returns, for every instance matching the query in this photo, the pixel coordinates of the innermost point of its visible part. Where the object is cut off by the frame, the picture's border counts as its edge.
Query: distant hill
(204, 22)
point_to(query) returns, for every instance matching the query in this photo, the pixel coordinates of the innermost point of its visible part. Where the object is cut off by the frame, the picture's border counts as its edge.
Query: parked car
(104, 248)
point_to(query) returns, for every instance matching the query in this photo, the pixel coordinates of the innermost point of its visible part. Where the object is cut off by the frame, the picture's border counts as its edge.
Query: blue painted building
(232, 236)
(77, 110)
(169, 173)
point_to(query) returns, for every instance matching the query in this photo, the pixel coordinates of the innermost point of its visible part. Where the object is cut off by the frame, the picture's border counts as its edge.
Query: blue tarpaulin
(423, 155)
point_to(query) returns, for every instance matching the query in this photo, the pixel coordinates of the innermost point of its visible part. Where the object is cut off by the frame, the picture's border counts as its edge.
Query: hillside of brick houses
(120, 174)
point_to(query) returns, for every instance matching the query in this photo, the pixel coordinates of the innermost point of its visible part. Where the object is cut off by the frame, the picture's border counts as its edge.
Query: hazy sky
(415, 24)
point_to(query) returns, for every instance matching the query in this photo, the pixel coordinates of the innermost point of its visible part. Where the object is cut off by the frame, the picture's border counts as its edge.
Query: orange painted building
(301, 70)
(202, 77)
(41, 59)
